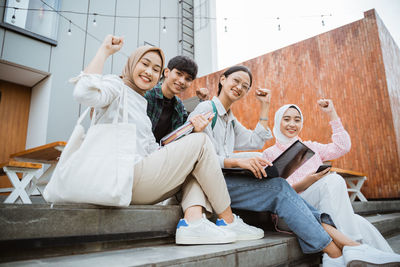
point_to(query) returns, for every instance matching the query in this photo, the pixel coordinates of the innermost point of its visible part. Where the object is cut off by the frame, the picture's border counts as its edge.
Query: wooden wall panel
(14, 115)
(346, 65)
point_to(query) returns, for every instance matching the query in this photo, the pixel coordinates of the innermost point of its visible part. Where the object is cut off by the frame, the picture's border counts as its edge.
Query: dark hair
(183, 63)
(295, 108)
(232, 70)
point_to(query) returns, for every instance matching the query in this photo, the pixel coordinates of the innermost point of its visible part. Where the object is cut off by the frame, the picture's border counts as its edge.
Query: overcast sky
(252, 25)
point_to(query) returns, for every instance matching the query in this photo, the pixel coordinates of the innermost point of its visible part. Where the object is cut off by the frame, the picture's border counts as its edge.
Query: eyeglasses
(243, 85)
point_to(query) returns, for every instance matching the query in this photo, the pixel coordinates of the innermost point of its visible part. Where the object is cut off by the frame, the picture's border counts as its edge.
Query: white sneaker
(243, 231)
(332, 262)
(202, 231)
(365, 255)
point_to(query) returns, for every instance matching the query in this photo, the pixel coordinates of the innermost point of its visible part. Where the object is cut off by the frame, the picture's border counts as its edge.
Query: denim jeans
(277, 196)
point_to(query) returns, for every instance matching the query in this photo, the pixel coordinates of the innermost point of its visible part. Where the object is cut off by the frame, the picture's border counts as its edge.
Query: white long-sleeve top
(102, 92)
(227, 136)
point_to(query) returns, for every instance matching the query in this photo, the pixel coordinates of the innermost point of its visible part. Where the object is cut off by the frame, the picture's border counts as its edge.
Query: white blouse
(101, 92)
(228, 136)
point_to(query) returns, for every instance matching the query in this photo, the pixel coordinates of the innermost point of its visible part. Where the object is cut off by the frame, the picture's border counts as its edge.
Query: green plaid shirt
(154, 99)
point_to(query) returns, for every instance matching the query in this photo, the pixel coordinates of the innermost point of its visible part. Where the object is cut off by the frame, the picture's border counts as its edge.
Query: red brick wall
(346, 65)
(391, 60)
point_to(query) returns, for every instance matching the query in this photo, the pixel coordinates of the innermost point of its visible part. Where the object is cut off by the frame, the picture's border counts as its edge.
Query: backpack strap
(214, 120)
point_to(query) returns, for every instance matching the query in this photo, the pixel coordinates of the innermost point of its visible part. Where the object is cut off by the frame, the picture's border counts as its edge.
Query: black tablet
(284, 165)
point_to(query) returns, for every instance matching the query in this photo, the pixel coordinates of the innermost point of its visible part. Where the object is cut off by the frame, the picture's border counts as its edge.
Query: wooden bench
(30, 161)
(48, 153)
(354, 180)
(23, 188)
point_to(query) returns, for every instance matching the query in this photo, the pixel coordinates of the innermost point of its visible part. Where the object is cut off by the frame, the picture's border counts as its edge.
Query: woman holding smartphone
(315, 230)
(323, 190)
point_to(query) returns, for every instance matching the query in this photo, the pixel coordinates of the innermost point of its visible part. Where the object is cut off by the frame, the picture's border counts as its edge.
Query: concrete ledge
(43, 221)
(124, 234)
(275, 249)
(387, 224)
(371, 207)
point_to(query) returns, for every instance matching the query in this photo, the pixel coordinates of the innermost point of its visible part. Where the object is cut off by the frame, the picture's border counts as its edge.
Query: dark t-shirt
(164, 124)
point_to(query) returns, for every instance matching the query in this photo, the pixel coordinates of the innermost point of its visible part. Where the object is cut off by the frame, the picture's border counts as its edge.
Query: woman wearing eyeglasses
(227, 133)
(273, 195)
(315, 230)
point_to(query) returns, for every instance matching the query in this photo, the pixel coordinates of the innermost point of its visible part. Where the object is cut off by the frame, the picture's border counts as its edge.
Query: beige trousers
(189, 164)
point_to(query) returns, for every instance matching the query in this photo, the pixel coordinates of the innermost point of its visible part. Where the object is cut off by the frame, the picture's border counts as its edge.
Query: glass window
(35, 18)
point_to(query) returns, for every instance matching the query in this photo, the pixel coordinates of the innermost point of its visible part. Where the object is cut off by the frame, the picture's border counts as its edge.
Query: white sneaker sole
(195, 240)
(361, 263)
(250, 237)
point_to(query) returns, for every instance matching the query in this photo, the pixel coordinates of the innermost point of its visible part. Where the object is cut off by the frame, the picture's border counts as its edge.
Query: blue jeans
(277, 196)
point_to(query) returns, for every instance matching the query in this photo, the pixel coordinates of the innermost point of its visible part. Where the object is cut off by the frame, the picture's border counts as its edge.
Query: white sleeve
(246, 139)
(203, 107)
(96, 90)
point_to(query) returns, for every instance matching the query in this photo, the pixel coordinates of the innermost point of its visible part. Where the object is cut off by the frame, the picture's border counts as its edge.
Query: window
(35, 18)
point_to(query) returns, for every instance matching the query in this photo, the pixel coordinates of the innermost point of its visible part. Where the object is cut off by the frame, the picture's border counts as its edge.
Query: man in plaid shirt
(165, 109)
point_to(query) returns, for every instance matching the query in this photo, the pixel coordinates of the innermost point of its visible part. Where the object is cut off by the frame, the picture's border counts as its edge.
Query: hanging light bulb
(164, 29)
(13, 16)
(41, 12)
(322, 20)
(69, 29)
(226, 27)
(94, 19)
(279, 25)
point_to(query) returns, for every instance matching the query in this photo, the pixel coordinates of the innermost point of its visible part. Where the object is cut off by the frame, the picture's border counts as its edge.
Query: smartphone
(323, 167)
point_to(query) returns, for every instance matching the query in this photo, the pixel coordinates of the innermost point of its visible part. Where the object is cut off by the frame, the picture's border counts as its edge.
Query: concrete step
(52, 221)
(42, 230)
(388, 224)
(44, 221)
(275, 249)
(394, 242)
(375, 207)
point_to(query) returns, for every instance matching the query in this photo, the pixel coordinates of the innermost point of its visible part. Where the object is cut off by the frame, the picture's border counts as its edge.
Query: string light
(322, 19)
(164, 29)
(279, 25)
(13, 16)
(140, 17)
(226, 27)
(69, 29)
(94, 19)
(41, 12)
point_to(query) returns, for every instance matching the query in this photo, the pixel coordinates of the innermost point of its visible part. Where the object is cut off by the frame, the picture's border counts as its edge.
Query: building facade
(36, 104)
(358, 67)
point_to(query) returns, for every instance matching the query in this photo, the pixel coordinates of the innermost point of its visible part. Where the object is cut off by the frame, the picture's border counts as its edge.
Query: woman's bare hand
(111, 44)
(318, 175)
(256, 165)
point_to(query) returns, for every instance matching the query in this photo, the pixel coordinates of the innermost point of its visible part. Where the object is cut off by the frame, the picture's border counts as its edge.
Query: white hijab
(280, 137)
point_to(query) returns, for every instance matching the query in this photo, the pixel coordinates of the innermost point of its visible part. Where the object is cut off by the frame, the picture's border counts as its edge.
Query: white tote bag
(96, 168)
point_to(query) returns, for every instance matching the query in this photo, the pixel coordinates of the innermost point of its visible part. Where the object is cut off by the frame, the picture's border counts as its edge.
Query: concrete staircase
(89, 235)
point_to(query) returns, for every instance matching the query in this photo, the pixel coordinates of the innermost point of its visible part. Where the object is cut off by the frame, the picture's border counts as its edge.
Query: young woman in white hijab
(326, 191)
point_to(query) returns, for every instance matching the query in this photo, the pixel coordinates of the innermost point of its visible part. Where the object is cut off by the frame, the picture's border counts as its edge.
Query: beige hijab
(132, 62)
